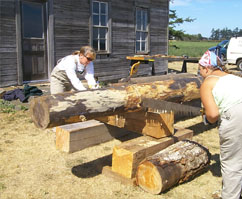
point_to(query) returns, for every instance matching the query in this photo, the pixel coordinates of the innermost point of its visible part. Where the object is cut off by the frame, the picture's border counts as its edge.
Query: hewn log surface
(70, 107)
(175, 164)
(154, 124)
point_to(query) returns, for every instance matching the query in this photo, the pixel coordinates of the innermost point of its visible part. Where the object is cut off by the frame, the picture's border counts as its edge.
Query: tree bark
(70, 107)
(175, 164)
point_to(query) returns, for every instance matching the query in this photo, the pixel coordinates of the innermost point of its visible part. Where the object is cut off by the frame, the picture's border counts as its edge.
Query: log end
(148, 178)
(39, 113)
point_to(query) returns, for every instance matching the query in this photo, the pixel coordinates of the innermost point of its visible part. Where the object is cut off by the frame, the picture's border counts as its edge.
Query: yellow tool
(134, 68)
(136, 61)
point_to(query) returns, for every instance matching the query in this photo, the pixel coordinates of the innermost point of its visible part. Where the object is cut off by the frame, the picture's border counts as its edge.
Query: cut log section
(70, 107)
(127, 156)
(175, 164)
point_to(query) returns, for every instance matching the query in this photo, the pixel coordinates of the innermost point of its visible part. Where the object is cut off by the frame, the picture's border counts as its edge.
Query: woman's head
(86, 55)
(208, 63)
(211, 60)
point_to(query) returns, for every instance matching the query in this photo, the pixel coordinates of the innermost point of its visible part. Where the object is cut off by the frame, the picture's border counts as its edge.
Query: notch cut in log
(70, 107)
(154, 124)
(175, 164)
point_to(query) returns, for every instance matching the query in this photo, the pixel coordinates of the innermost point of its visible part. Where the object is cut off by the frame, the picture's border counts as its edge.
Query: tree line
(216, 34)
(225, 33)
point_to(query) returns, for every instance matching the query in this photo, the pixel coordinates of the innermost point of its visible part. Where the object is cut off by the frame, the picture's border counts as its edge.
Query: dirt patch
(31, 167)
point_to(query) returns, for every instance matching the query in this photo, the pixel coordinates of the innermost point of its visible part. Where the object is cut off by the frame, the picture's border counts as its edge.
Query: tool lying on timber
(179, 109)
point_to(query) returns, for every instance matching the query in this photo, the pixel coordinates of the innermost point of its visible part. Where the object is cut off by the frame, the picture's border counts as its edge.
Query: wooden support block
(127, 156)
(107, 171)
(77, 136)
(154, 124)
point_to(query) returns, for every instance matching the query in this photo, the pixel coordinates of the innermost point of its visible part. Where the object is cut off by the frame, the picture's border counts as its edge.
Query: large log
(70, 107)
(175, 164)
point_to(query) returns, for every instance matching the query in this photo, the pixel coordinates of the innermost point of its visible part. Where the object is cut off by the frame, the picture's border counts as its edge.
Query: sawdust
(31, 167)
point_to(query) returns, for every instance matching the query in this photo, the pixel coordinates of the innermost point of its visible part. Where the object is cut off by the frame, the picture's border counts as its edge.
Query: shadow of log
(200, 128)
(215, 167)
(93, 168)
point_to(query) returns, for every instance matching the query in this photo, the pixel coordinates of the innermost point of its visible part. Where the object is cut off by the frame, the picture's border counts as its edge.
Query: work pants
(230, 133)
(59, 82)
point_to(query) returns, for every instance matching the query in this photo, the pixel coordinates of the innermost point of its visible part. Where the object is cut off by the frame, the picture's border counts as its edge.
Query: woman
(221, 97)
(64, 75)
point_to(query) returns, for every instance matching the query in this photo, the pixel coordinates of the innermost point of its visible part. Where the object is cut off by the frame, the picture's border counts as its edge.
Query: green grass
(6, 107)
(189, 48)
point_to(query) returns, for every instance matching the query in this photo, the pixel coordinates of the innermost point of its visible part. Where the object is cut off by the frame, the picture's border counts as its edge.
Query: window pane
(143, 46)
(95, 20)
(103, 8)
(145, 20)
(137, 46)
(138, 35)
(103, 20)
(102, 33)
(138, 19)
(95, 7)
(32, 20)
(95, 44)
(95, 33)
(102, 44)
(144, 34)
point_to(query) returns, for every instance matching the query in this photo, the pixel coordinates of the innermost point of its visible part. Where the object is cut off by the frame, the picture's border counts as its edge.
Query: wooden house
(34, 34)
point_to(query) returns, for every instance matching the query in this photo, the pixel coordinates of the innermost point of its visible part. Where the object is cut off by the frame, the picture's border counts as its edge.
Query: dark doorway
(34, 46)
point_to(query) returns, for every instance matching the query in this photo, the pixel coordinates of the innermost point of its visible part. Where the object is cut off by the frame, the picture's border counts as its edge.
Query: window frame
(107, 27)
(147, 31)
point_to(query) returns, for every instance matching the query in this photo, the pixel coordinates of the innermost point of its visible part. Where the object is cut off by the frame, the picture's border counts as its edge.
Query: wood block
(127, 156)
(154, 124)
(107, 171)
(77, 136)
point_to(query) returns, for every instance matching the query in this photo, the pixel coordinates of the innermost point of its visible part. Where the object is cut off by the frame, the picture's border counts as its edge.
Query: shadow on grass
(215, 167)
(93, 168)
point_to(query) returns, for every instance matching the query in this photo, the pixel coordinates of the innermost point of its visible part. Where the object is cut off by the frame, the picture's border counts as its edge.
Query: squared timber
(77, 136)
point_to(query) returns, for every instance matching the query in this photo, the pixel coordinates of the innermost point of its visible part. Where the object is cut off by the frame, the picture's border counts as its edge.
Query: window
(142, 30)
(100, 26)
(32, 20)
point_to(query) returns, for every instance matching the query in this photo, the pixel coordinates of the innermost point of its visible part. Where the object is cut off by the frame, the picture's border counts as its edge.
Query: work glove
(205, 120)
(96, 86)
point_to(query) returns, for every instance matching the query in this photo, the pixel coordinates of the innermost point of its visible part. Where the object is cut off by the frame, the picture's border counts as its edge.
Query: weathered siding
(71, 27)
(8, 56)
(71, 30)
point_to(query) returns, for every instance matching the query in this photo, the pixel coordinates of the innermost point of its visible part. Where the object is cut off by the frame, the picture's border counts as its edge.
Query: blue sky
(217, 14)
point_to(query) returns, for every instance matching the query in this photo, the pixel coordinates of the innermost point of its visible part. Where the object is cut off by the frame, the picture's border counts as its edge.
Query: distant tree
(174, 21)
(225, 33)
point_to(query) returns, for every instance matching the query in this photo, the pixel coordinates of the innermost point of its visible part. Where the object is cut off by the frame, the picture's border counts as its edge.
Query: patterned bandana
(209, 59)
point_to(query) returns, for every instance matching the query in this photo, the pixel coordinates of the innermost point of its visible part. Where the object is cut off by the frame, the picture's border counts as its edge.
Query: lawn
(189, 48)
